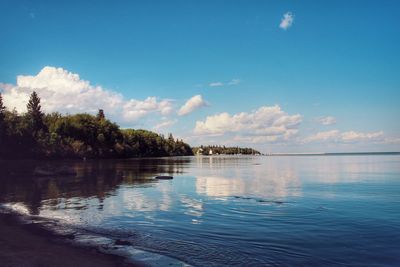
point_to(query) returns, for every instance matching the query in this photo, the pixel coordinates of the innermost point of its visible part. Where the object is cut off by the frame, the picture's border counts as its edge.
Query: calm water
(227, 211)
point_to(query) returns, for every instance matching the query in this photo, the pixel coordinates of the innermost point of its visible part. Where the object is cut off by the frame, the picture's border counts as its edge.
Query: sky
(279, 76)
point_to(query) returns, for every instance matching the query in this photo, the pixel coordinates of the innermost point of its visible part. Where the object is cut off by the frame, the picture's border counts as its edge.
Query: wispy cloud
(164, 124)
(234, 82)
(191, 105)
(345, 137)
(219, 84)
(216, 84)
(328, 120)
(286, 21)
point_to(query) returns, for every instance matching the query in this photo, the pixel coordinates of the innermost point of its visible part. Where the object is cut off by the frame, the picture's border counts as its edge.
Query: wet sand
(30, 245)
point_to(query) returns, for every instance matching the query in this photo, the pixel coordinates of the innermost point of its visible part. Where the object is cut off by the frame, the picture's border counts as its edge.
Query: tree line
(214, 149)
(35, 134)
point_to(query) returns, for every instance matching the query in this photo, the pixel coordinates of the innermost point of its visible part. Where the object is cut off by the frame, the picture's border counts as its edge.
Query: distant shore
(334, 154)
(32, 245)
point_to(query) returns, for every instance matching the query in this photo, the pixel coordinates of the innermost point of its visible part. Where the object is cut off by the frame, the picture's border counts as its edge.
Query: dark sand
(30, 245)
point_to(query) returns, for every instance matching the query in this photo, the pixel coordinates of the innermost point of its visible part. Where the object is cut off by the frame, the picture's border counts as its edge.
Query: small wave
(261, 200)
(109, 241)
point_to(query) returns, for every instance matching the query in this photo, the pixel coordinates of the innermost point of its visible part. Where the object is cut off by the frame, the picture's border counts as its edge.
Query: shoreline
(33, 245)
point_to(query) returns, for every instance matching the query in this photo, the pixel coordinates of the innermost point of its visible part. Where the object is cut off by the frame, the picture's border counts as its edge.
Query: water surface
(227, 210)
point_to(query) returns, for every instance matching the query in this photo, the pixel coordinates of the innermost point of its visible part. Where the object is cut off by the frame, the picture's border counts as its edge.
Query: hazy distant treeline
(38, 135)
(207, 150)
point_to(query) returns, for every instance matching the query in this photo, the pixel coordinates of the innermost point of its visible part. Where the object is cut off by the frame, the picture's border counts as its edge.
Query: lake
(222, 210)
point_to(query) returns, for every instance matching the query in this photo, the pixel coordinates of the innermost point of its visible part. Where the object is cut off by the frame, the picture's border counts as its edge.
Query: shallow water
(227, 210)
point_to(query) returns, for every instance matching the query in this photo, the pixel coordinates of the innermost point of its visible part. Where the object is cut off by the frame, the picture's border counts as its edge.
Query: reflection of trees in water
(94, 179)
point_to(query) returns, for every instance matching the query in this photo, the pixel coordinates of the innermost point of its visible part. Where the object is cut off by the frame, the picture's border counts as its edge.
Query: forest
(35, 134)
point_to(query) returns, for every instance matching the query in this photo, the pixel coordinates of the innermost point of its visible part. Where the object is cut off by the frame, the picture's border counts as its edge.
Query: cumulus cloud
(345, 137)
(286, 21)
(191, 105)
(328, 120)
(136, 109)
(266, 124)
(65, 92)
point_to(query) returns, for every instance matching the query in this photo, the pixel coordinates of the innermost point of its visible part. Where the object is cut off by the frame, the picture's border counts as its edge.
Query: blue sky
(338, 59)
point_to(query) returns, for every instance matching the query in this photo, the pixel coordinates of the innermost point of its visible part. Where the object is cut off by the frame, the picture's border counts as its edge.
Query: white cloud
(328, 120)
(286, 21)
(352, 136)
(136, 109)
(65, 92)
(191, 105)
(266, 124)
(216, 84)
(323, 136)
(345, 137)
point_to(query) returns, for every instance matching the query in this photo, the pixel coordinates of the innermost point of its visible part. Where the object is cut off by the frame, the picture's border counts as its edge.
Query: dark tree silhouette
(35, 115)
(2, 111)
(2, 125)
(100, 115)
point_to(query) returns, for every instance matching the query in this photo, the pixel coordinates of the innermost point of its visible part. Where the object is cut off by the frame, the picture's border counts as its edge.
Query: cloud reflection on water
(251, 176)
(121, 187)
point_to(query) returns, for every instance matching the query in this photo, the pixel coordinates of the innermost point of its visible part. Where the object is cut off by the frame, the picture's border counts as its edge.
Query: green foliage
(36, 134)
(17, 139)
(149, 144)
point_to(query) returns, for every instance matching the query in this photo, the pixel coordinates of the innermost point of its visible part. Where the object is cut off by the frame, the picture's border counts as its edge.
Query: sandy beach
(31, 245)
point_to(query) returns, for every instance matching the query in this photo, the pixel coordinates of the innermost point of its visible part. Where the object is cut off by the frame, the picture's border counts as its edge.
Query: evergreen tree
(100, 115)
(35, 115)
(2, 111)
(2, 125)
(171, 138)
